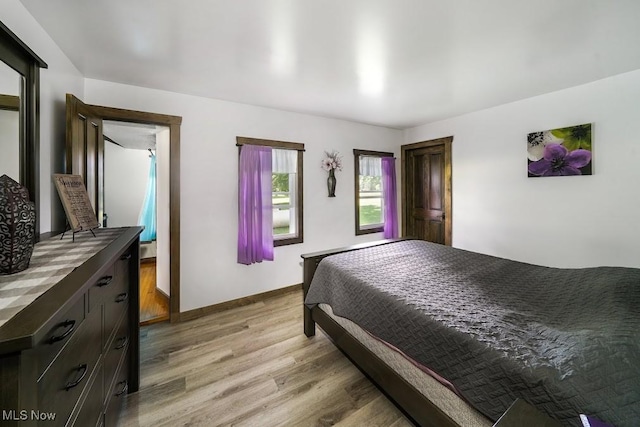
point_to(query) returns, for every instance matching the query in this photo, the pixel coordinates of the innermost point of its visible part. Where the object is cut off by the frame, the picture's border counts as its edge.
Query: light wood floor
(251, 366)
(154, 306)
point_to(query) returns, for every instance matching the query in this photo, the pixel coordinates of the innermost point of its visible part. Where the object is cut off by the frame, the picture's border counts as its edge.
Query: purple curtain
(389, 194)
(255, 224)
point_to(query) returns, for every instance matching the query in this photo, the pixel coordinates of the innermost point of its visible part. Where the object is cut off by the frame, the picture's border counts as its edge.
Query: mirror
(10, 90)
(19, 114)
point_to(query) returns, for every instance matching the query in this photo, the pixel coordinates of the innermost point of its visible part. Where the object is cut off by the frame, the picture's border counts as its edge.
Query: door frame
(173, 122)
(446, 142)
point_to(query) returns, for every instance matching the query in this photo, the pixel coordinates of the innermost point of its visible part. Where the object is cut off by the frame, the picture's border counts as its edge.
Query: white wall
(60, 78)
(209, 173)
(10, 80)
(556, 221)
(163, 258)
(126, 175)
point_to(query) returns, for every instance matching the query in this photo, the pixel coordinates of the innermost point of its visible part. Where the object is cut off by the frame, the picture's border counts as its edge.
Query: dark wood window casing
(356, 179)
(299, 238)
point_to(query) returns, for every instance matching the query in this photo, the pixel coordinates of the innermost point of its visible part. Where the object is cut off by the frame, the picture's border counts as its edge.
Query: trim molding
(223, 306)
(173, 122)
(243, 140)
(447, 196)
(162, 294)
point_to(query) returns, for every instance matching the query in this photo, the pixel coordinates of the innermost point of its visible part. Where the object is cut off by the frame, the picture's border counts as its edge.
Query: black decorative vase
(17, 226)
(331, 183)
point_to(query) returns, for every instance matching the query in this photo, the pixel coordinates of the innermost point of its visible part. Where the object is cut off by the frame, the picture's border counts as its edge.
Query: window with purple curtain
(389, 195)
(255, 223)
(375, 193)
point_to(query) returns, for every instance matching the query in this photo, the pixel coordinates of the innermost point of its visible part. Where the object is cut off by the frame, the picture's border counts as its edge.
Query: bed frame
(416, 406)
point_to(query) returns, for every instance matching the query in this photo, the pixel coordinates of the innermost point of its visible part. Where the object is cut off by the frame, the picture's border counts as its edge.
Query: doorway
(86, 157)
(136, 192)
(426, 190)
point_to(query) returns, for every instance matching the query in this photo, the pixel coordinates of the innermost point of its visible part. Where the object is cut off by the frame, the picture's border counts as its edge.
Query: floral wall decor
(560, 152)
(330, 163)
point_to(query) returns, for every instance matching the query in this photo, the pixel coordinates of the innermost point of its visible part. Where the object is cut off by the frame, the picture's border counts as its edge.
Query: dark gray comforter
(565, 340)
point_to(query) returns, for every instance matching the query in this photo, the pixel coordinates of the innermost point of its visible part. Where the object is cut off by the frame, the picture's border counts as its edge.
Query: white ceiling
(396, 63)
(134, 136)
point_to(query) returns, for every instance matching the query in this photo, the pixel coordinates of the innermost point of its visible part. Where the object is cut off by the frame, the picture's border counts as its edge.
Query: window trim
(356, 155)
(240, 141)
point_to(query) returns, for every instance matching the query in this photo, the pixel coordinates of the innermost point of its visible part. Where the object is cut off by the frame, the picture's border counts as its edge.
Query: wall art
(560, 152)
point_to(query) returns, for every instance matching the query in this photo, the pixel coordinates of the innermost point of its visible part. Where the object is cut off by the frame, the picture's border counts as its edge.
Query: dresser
(69, 331)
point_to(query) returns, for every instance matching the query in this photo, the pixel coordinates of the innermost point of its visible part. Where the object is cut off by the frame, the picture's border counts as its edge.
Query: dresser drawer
(115, 350)
(102, 288)
(91, 411)
(62, 384)
(117, 394)
(114, 307)
(122, 266)
(59, 335)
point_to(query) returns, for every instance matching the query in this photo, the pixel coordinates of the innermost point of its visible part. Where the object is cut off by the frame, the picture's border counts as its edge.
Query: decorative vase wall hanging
(17, 226)
(330, 163)
(331, 183)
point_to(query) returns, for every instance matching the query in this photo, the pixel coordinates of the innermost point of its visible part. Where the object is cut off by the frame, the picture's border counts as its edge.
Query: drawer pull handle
(70, 324)
(123, 390)
(104, 281)
(125, 257)
(122, 297)
(122, 342)
(83, 369)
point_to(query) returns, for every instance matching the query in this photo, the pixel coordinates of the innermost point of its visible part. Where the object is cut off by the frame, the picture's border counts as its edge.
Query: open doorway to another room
(136, 192)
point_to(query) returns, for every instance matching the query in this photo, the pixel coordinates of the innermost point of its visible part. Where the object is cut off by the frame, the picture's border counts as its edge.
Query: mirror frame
(23, 60)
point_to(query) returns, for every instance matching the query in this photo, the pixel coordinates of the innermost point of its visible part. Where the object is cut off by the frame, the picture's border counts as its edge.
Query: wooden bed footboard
(406, 397)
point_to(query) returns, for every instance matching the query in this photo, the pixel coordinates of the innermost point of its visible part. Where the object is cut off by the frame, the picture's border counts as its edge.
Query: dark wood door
(425, 181)
(85, 150)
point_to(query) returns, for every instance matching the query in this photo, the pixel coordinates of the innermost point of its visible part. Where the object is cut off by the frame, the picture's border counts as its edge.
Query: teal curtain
(148, 213)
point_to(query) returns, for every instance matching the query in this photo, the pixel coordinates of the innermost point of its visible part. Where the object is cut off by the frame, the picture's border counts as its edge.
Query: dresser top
(54, 261)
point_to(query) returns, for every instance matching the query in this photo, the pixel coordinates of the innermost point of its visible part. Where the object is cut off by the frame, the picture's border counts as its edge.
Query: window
(369, 201)
(284, 180)
(286, 189)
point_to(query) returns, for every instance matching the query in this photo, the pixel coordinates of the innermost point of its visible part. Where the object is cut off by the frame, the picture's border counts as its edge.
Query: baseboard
(223, 306)
(162, 294)
(147, 260)
(154, 320)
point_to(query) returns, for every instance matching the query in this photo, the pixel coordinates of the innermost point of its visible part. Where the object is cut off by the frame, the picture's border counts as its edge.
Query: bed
(567, 341)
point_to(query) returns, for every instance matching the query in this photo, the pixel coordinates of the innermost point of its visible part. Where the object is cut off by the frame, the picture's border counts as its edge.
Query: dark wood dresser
(69, 356)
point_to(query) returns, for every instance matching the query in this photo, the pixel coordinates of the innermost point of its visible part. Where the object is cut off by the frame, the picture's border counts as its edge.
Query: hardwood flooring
(154, 306)
(251, 366)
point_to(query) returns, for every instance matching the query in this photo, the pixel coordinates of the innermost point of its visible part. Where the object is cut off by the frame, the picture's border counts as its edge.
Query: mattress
(565, 340)
(445, 399)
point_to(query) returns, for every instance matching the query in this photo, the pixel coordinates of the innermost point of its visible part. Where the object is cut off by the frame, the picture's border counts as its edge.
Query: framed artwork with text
(76, 203)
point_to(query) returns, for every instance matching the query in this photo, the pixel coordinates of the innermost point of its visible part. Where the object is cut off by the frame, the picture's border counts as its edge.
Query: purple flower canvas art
(560, 152)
